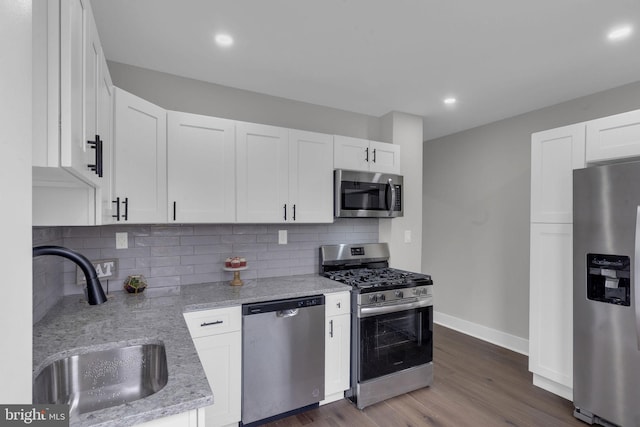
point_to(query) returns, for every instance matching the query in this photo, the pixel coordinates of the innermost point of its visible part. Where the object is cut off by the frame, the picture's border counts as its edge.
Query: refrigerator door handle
(636, 277)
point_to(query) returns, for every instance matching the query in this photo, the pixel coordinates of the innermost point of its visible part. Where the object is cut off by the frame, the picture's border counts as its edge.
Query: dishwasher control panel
(279, 305)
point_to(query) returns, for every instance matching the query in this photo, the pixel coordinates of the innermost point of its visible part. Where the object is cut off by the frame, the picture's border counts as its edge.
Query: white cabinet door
(140, 159)
(310, 176)
(337, 354)
(384, 158)
(201, 168)
(351, 153)
(105, 210)
(337, 345)
(262, 173)
(614, 137)
(80, 59)
(554, 155)
(221, 357)
(551, 307)
(364, 155)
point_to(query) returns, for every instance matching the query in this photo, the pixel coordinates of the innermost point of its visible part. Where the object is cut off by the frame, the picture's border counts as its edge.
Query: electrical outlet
(282, 237)
(407, 236)
(122, 241)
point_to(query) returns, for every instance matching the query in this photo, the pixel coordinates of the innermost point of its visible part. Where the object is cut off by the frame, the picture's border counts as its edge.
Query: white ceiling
(500, 58)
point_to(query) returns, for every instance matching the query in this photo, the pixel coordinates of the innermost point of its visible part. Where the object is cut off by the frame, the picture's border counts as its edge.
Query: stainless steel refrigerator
(606, 331)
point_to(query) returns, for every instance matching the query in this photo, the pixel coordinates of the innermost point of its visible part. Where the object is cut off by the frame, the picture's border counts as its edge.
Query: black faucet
(95, 293)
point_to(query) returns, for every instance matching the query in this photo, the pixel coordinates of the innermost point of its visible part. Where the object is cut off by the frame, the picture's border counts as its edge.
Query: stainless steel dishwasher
(282, 357)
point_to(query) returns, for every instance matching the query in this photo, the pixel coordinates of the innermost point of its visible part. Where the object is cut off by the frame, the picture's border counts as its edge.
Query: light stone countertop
(74, 327)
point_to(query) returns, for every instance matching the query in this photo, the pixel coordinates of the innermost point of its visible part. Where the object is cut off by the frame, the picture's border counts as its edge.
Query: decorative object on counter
(135, 284)
(235, 264)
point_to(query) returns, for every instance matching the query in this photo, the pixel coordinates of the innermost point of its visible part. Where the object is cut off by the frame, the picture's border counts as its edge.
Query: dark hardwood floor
(476, 384)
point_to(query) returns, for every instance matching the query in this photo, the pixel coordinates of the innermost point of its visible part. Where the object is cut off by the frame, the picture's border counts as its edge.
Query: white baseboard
(499, 338)
(554, 387)
(332, 398)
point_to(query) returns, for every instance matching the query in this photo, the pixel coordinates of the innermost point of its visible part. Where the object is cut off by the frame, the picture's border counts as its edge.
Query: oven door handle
(394, 308)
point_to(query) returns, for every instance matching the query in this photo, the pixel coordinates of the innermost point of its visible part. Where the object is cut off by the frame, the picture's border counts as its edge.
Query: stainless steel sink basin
(101, 379)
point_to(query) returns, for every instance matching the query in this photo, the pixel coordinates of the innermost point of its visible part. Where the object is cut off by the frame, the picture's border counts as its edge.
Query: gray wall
(476, 210)
(195, 96)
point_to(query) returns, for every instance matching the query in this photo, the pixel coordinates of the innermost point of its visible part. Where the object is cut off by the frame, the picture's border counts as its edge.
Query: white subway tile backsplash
(160, 261)
(221, 248)
(174, 255)
(199, 239)
(161, 251)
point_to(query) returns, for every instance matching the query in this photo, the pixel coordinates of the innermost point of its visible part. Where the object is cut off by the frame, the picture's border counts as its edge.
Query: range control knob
(380, 297)
(373, 298)
(399, 294)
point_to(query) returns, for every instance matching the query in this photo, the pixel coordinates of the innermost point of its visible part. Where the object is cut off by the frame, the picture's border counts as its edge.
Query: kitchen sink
(102, 379)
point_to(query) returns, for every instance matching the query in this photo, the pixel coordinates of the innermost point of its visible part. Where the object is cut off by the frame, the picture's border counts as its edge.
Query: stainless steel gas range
(391, 322)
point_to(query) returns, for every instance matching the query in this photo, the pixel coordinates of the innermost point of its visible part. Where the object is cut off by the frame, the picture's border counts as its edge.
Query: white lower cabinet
(193, 418)
(337, 345)
(217, 337)
(551, 308)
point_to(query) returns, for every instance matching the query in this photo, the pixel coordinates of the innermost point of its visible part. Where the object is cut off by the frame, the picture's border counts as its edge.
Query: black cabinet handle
(366, 156)
(285, 211)
(331, 328)
(126, 209)
(97, 165)
(174, 210)
(117, 202)
(374, 155)
(294, 212)
(217, 322)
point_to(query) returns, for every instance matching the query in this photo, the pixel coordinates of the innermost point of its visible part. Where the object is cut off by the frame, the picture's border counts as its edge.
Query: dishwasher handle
(287, 313)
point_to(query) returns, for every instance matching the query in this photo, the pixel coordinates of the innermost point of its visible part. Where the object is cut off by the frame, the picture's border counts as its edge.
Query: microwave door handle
(393, 196)
(636, 278)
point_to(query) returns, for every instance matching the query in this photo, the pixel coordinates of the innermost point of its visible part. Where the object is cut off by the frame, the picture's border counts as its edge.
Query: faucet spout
(95, 293)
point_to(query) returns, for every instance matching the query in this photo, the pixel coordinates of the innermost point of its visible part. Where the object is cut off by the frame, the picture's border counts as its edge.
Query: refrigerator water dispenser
(608, 279)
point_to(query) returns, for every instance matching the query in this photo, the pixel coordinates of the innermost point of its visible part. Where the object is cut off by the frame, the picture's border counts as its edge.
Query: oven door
(394, 341)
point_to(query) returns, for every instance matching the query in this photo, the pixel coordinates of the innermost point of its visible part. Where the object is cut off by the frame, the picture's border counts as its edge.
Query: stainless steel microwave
(367, 194)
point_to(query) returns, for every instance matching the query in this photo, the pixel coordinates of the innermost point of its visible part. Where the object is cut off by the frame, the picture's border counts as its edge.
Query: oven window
(396, 341)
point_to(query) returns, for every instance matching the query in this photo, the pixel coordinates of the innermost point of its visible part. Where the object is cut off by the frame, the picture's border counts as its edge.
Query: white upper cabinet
(201, 168)
(364, 155)
(68, 64)
(554, 155)
(80, 61)
(262, 173)
(614, 138)
(310, 176)
(73, 102)
(384, 157)
(105, 130)
(139, 160)
(283, 175)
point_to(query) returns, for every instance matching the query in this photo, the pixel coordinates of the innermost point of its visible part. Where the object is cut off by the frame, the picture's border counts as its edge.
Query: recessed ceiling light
(619, 33)
(450, 101)
(224, 40)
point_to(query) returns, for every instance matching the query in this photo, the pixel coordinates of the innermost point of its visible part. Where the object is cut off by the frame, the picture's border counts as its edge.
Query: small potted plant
(135, 284)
